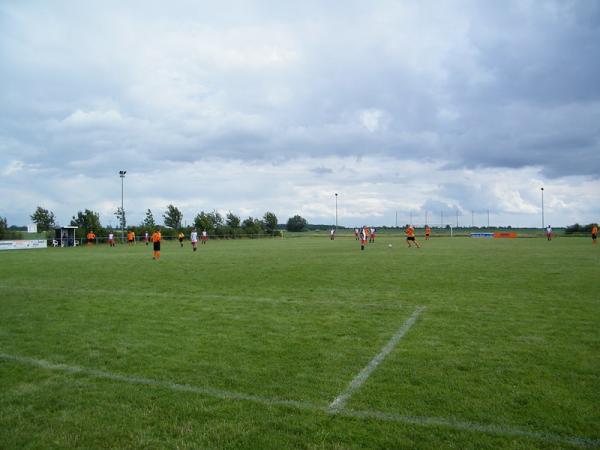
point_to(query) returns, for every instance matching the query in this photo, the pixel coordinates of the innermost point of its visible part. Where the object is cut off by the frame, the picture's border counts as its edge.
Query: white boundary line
(341, 400)
(307, 406)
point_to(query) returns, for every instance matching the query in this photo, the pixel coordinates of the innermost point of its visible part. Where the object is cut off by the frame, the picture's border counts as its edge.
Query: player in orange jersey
(410, 236)
(130, 238)
(180, 236)
(427, 232)
(156, 237)
(91, 238)
(594, 234)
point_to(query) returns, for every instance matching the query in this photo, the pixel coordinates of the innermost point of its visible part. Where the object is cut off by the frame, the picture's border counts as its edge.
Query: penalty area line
(340, 401)
(308, 406)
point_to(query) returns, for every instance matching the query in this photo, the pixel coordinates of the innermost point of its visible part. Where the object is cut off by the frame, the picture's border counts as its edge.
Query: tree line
(230, 225)
(576, 228)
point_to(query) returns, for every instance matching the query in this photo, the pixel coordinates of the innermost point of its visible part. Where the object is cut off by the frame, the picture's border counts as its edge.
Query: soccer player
(130, 238)
(111, 240)
(180, 237)
(363, 237)
(332, 234)
(356, 234)
(146, 238)
(91, 237)
(549, 232)
(410, 236)
(194, 239)
(204, 236)
(594, 234)
(372, 235)
(156, 237)
(427, 232)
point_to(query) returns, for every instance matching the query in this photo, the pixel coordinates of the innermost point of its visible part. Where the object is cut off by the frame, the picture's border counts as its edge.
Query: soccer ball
(390, 245)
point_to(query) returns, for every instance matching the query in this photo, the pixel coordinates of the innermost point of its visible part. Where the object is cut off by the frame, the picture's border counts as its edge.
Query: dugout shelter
(65, 236)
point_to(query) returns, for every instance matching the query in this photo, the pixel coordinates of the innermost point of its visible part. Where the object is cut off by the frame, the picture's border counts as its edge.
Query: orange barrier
(505, 235)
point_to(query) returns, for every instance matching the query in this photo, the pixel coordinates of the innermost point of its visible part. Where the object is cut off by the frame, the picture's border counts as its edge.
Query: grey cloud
(321, 171)
(89, 89)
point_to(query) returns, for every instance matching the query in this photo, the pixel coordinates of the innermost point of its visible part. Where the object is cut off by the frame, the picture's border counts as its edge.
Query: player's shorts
(110, 241)
(410, 238)
(157, 246)
(130, 240)
(180, 239)
(594, 236)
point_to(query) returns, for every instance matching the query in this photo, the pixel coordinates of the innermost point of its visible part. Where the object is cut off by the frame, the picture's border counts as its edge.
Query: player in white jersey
(194, 239)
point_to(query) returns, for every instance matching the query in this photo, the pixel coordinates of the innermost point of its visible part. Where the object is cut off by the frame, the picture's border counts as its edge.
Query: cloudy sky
(401, 107)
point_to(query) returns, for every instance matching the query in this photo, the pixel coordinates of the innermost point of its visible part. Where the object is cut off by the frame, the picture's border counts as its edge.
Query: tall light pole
(122, 175)
(543, 222)
(336, 216)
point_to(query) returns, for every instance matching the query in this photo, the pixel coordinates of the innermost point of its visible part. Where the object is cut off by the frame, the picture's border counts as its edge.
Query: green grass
(259, 336)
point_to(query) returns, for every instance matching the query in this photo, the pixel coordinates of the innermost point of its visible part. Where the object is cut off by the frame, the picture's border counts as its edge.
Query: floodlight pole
(122, 175)
(543, 222)
(336, 212)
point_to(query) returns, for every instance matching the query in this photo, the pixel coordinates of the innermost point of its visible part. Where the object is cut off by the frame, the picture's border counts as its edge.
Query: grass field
(302, 343)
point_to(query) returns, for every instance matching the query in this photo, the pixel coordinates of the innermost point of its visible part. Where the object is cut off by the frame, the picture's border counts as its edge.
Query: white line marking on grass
(341, 400)
(211, 392)
(307, 406)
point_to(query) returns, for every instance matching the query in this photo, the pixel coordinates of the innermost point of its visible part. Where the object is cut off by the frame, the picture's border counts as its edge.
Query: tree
(172, 217)
(149, 221)
(122, 220)
(233, 221)
(252, 226)
(270, 221)
(296, 223)
(3, 227)
(44, 219)
(212, 221)
(87, 221)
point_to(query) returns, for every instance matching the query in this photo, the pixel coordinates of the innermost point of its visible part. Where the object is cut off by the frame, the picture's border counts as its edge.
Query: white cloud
(92, 119)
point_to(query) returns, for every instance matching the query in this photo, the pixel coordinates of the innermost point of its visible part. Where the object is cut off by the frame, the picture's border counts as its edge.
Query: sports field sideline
(302, 343)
